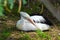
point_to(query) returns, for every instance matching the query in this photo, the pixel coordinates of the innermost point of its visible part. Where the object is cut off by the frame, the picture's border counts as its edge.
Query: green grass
(43, 35)
(58, 37)
(4, 34)
(25, 37)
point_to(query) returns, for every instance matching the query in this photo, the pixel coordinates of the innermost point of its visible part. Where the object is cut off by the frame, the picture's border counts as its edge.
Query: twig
(42, 9)
(5, 6)
(20, 3)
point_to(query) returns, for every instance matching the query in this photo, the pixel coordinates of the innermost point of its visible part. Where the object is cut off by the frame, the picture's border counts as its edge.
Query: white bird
(27, 24)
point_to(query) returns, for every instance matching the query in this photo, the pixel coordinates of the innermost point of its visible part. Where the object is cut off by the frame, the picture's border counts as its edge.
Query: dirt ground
(8, 31)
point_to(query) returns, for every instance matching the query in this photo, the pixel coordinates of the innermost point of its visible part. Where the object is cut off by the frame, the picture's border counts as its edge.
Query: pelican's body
(38, 19)
(27, 24)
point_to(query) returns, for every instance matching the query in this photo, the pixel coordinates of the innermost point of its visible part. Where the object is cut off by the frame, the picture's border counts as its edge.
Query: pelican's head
(26, 16)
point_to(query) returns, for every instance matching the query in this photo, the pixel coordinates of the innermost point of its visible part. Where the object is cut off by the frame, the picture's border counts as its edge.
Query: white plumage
(38, 19)
(27, 24)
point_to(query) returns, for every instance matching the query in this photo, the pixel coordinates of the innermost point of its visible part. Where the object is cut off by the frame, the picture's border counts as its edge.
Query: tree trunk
(52, 9)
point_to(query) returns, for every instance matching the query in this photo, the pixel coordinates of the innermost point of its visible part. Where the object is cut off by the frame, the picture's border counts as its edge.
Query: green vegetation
(4, 34)
(43, 35)
(9, 14)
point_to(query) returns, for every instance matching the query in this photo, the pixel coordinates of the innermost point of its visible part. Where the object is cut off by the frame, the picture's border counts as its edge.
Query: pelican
(27, 24)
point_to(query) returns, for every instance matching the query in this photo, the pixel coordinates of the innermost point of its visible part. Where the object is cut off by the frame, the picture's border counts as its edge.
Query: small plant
(58, 37)
(42, 34)
(4, 34)
(25, 37)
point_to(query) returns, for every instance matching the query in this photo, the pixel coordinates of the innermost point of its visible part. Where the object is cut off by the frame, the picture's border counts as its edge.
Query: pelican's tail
(43, 27)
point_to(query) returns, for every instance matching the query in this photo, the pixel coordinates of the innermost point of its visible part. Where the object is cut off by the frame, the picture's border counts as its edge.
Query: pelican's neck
(24, 20)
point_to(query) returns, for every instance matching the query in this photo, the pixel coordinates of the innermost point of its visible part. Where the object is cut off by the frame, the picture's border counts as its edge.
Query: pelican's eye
(34, 20)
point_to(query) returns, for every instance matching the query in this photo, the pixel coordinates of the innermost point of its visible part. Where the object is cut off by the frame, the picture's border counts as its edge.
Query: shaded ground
(8, 31)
